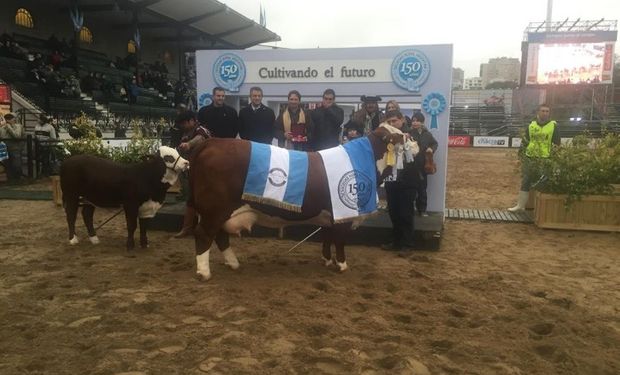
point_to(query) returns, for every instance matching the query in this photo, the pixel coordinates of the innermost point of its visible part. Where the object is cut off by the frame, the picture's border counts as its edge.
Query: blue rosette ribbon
(434, 104)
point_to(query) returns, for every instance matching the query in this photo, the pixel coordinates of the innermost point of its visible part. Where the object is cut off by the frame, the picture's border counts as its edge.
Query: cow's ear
(168, 159)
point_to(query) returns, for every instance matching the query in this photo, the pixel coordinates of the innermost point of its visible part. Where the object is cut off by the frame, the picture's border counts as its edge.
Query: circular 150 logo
(229, 72)
(354, 189)
(204, 100)
(410, 69)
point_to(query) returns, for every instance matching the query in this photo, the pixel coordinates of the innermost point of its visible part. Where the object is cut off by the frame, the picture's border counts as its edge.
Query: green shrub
(583, 167)
(90, 144)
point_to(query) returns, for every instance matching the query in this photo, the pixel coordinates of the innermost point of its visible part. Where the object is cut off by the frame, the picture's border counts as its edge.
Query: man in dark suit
(220, 119)
(326, 123)
(256, 121)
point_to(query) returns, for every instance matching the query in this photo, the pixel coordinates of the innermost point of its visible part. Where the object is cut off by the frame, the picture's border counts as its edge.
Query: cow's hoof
(203, 276)
(94, 240)
(342, 266)
(230, 259)
(328, 262)
(144, 245)
(74, 240)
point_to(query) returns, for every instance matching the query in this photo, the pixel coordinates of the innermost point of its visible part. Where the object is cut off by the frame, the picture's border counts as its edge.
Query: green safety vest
(540, 139)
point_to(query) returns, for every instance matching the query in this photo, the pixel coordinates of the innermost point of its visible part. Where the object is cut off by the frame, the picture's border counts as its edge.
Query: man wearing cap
(367, 118)
(12, 133)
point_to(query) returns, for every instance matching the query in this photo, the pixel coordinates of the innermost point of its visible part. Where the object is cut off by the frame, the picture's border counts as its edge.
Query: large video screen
(569, 63)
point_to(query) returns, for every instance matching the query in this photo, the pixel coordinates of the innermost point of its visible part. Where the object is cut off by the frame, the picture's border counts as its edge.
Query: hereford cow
(219, 169)
(139, 188)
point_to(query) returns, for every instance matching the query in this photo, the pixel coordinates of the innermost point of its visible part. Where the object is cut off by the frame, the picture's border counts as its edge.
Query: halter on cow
(139, 188)
(219, 169)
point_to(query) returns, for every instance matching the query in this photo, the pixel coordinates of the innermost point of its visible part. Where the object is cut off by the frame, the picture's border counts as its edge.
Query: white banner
(313, 71)
(491, 141)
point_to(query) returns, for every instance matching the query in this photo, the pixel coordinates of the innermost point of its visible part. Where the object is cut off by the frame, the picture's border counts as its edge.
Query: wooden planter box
(592, 212)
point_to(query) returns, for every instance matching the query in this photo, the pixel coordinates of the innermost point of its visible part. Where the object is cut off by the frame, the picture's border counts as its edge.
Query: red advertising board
(459, 141)
(5, 94)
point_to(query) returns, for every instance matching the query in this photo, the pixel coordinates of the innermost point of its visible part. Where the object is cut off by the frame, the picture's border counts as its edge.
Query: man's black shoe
(391, 247)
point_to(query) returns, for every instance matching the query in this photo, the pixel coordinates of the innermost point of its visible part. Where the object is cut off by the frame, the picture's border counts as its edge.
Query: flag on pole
(263, 17)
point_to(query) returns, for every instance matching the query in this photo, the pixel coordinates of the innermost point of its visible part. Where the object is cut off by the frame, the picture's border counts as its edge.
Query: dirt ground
(496, 299)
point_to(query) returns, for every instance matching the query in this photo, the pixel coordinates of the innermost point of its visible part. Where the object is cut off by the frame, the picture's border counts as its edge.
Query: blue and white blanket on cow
(276, 176)
(352, 178)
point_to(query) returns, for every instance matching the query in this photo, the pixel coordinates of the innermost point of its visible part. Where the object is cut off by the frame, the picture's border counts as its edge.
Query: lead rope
(304, 240)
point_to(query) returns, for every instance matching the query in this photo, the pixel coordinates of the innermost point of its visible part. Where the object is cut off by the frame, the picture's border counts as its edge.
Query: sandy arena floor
(497, 298)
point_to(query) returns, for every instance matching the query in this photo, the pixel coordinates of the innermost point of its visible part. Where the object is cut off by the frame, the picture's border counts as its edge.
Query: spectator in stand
(176, 131)
(326, 123)
(13, 133)
(74, 85)
(107, 87)
(119, 130)
(219, 118)
(44, 134)
(291, 124)
(256, 120)
(56, 59)
(133, 91)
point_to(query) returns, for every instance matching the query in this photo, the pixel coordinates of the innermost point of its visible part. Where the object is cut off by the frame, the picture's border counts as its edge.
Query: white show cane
(302, 241)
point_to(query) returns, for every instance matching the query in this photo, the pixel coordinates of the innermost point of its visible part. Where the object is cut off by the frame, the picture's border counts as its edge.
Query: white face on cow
(175, 164)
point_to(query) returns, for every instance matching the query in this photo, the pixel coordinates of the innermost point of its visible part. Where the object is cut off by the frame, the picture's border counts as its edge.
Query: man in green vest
(540, 136)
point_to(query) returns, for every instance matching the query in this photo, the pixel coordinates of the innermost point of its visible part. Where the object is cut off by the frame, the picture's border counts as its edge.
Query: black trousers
(400, 200)
(421, 198)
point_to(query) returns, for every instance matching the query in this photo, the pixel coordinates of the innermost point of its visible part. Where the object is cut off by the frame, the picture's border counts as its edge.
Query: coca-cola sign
(459, 140)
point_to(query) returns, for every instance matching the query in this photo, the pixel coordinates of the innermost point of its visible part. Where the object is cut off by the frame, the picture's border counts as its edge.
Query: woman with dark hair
(292, 123)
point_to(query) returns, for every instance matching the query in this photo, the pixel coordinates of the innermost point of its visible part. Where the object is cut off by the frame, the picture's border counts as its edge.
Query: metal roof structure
(574, 26)
(193, 24)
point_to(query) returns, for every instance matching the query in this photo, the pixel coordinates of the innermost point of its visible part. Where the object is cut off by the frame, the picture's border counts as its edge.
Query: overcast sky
(478, 29)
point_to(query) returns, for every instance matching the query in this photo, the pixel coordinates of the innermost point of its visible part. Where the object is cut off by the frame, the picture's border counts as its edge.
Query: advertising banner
(459, 141)
(491, 141)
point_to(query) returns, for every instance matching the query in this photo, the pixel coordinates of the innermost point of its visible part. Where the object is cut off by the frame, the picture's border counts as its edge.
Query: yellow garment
(540, 139)
(390, 156)
(286, 120)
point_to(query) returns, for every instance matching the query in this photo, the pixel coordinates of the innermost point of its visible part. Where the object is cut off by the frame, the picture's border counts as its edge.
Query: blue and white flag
(352, 178)
(276, 177)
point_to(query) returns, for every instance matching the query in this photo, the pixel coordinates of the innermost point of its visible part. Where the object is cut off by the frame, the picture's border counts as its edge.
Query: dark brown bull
(139, 188)
(218, 172)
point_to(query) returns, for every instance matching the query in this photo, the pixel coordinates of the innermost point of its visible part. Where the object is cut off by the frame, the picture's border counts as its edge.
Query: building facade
(501, 69)
(472, 83)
